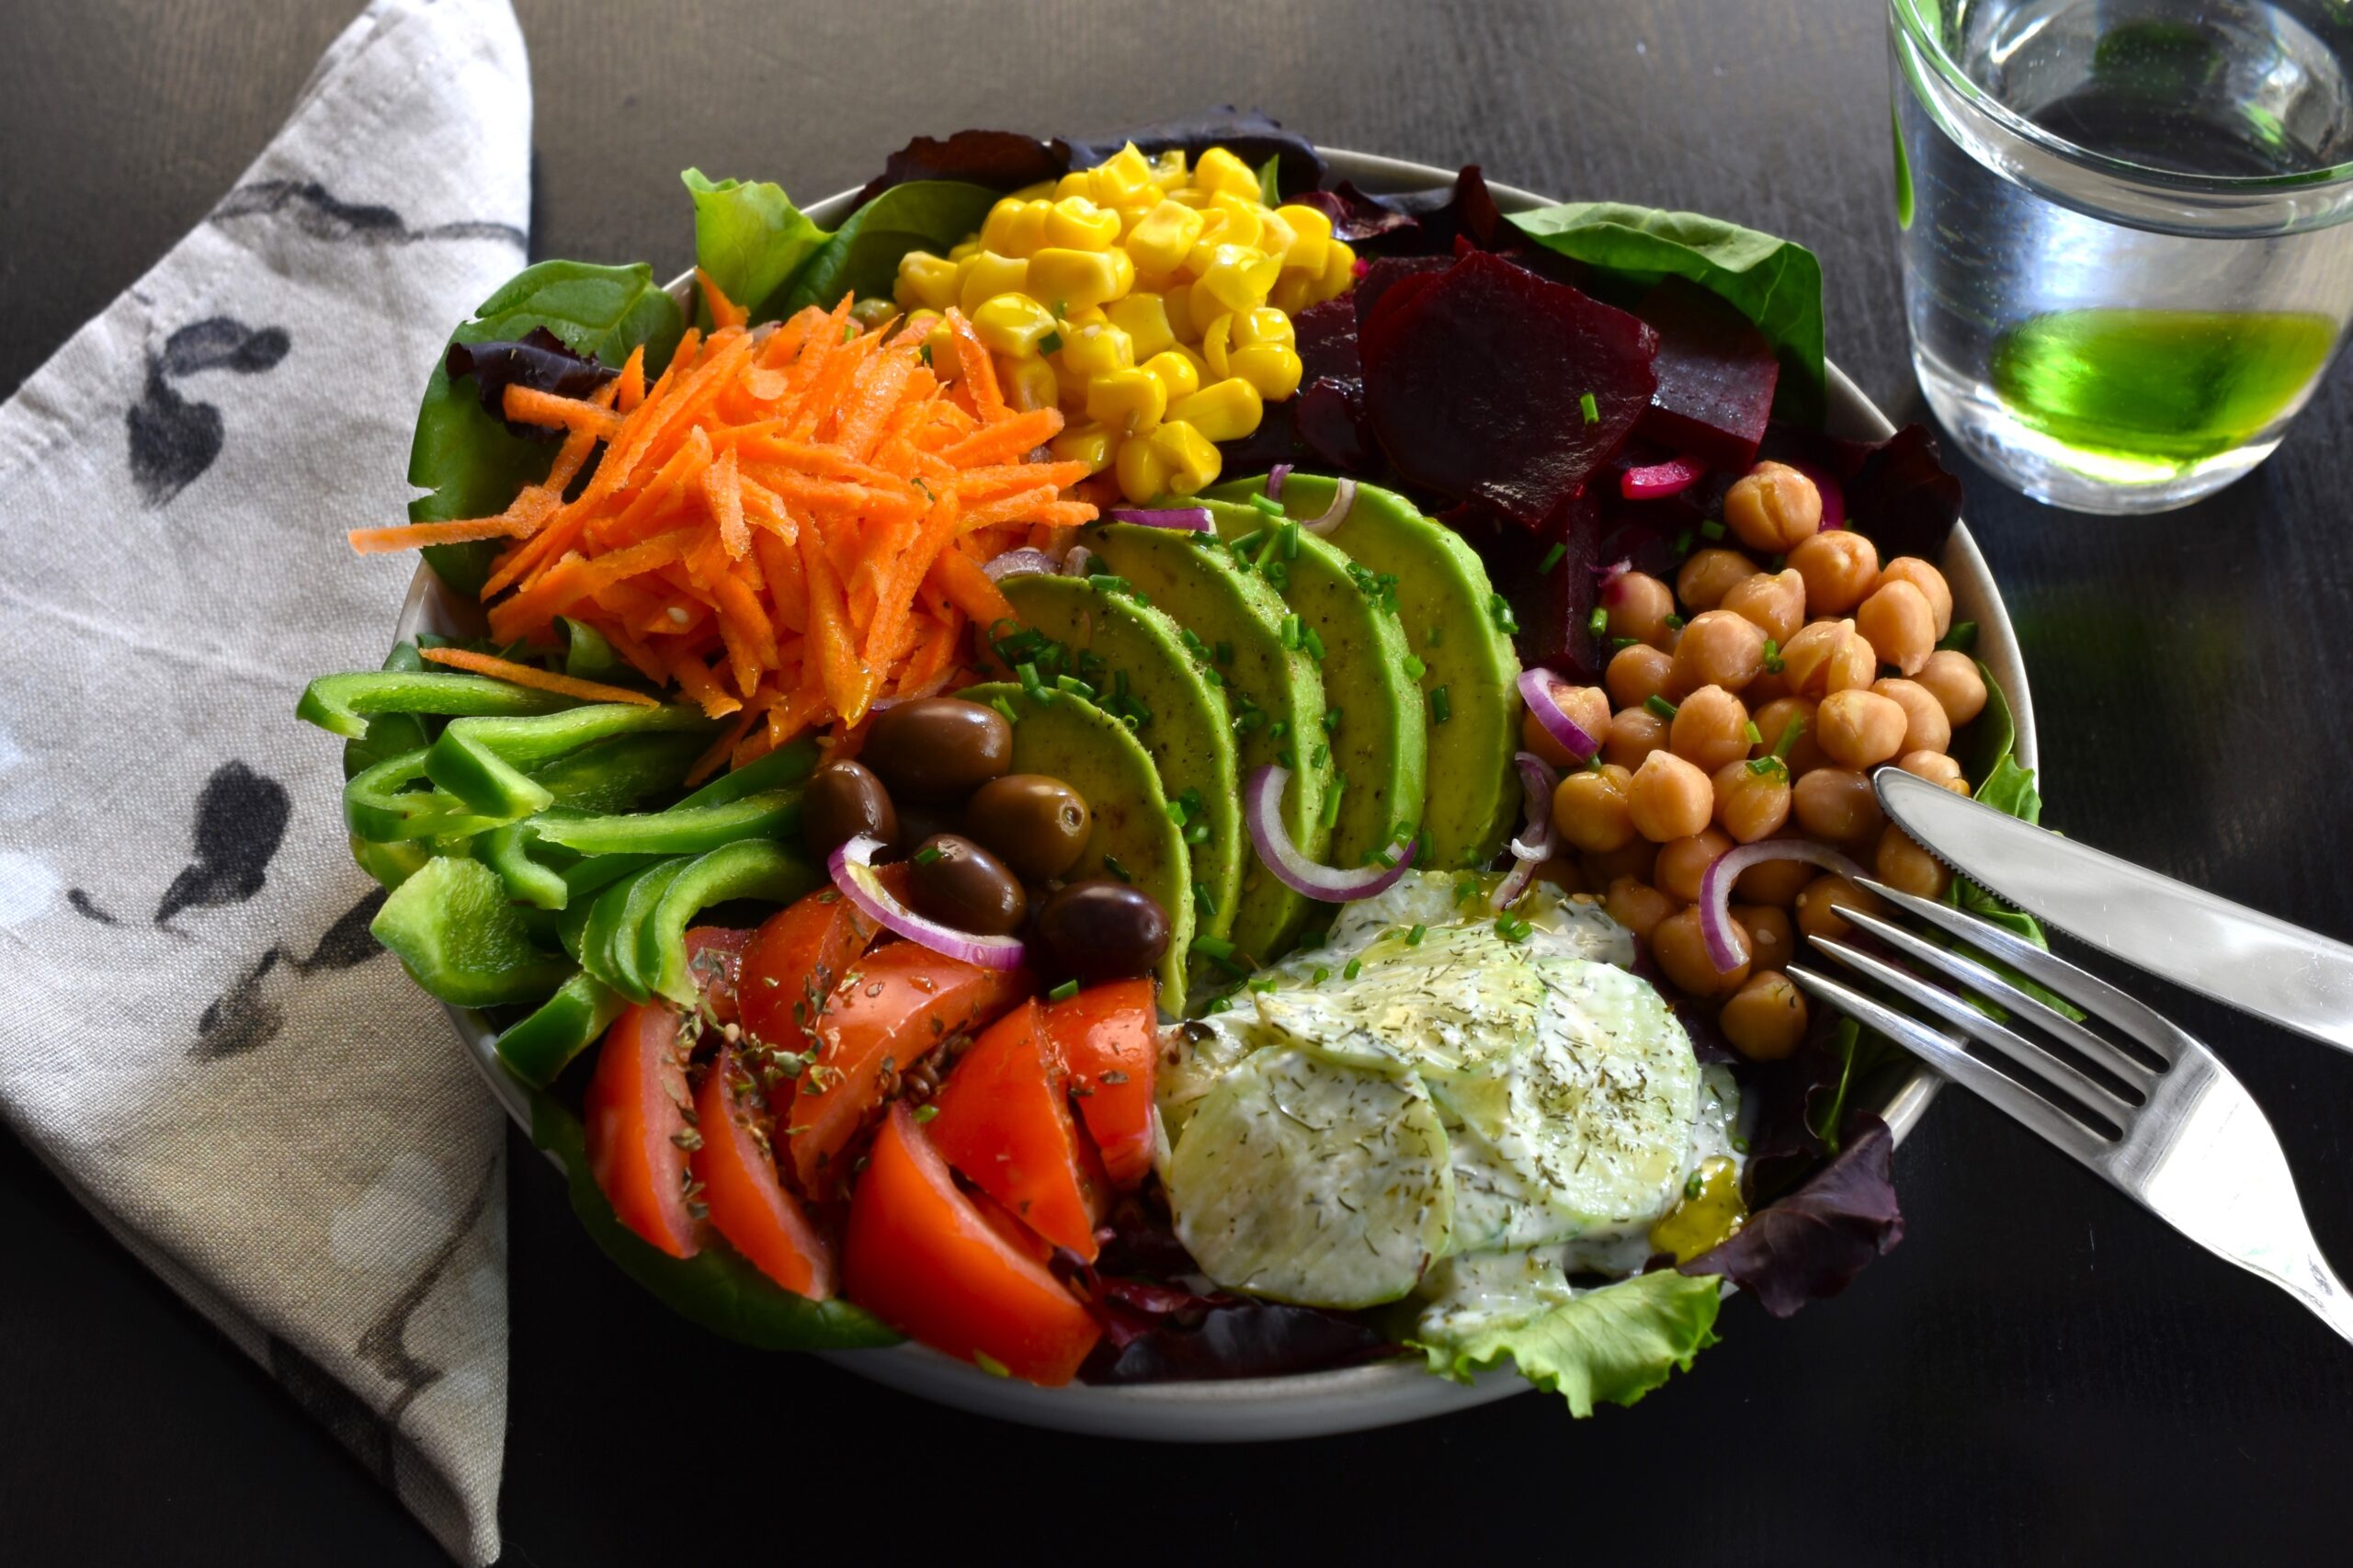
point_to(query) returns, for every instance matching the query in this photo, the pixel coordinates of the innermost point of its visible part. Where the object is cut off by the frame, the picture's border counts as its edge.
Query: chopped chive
(1330, 815)
(1777, 564)
(1002, 706)
(1620, 645)
(1683, 543)
(1436, 639)
(1711, 529)
(1790, 733)
(1512, 927)
(1219, 1005)
(1291, 540)
(928, 854)
(1103, 582)
(1288, 758)
(1247, 542)
(1772, 657)
(1262, 985)
(1499, 611)
(1198, 833)
(1740, 1145)
(1075, 686)
(1320, 975)
(1223, 653)
(1111, 863)
(1291, 631)
(1414, 938)
(1312, 643)
(1317, 754)
(1659, 706)
(1387, 860)
(1029, 673)
(1441, 705)
(925, 1112)
(1415, 668)
(1673, 623)
(1176, 809)
(1063, 992)
(1591, 409)
(990, 1364)
(1551, 559)
(1756, 736)
(1598, 621)
(1352, 970)
(1050, 344)
(1331, 719)
(1202, 900)
(1268, 505)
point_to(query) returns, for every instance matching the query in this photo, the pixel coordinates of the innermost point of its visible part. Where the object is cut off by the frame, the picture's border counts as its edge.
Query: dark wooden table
(2040, 1373)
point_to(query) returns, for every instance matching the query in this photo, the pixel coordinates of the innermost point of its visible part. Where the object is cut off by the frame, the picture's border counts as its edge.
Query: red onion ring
(1344, 498)
(1715, 886)
(1021, 563)
(1079, 563)
(852, 868)
(1184, 520)
(1275, 477)
(1833, 495)
(1656, 481)
(1536, 686)
(1262, 809)
(1607, 578)
(1538, 837)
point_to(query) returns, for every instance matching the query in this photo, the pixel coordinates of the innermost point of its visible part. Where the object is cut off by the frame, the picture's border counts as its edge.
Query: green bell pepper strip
(342, 704)
(388, 735)
(601, 871)
(589, 656)
(608, 941)
(786, 764)
(481, 760)
(620, 774)
(506, 850)
(378, 806)
(537, 1048)
(454, 931)
(391, 864)
(681, 830)
(754, 868)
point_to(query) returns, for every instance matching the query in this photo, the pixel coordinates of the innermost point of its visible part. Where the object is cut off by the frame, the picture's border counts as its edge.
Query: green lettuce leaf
(1775, 283)
(749, 237)
(862, 258)
(1615, 1344)
(2005, 785)
(467, 457)
(715, 1288)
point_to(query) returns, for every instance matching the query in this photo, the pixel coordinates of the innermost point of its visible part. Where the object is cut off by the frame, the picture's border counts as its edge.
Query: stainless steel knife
(2265, 966)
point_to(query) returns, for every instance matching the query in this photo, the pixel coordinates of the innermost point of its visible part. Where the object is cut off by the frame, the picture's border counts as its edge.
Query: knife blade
(2239, 956)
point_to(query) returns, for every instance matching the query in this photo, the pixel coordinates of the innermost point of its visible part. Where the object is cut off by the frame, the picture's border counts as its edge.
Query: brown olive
(1036, 824)
(959, 884)
(938, 748)
(841, 800)
(1100, 929)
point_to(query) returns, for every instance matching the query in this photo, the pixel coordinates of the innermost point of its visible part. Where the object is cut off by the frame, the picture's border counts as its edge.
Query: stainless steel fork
(2166, 1123)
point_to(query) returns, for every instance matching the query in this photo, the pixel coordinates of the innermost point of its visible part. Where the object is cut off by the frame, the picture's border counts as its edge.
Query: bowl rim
(1349, 1399)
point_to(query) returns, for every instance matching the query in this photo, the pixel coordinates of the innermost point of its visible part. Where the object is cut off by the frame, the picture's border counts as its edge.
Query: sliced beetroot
(1476, 385)
(1357, 218)
(1383, 273)
(1327, 340)
(1716, 375)
(1658, 481)
(1552, 597)
(1331, 423)
(1897, 490)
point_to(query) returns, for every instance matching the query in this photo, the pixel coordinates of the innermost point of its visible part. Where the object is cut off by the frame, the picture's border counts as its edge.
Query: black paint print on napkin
(343, 1413)
(319, 213)
(348, 943)
(244, 1018)
(173, 440)
(240, 818)
(384, 1346)
(82, 904)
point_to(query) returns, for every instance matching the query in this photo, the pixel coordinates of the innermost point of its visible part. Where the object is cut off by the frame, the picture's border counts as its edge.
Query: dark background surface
(2039, 1373)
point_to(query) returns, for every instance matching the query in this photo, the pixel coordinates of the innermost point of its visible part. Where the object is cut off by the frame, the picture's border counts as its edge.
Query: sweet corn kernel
(1122, 177)
(1311, 234)
(1264, 325)
(1144, 318)
(1177, 300)
(1217, 339)
(1244, 220)
(1275, 237)
(1123, 273)
(1222, 411)
(1131, 401)
(939, 352)
(1191, 196)
(1192, 356)
(1169, 168)
(925, 281)
(965, 251)
(1088, 444)
(1173, 371)
(1164, 237)
(1012, 323)
(1142, 472)
(1339, 272)
(1274, 369)
(1042, 191)
(1156, 283)
(1192, 462)
(989, 276)
(1078, 182)
(1067, 280)
(1091, 351)
(1238, 278)
(1220, 170)
(1082, 315)
(1293, 292)
(1015, 228)
(1026, 381)
(1076, 223)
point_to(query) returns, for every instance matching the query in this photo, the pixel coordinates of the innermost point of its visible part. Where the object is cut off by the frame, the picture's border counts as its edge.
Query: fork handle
(2326, 1296)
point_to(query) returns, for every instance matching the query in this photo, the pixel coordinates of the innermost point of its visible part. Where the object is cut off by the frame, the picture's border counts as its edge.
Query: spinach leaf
(465, 455)
(749, 237)
(2004, 785)
(1775, 283)
(715, 1288)
(862, 258)
(1270, 175)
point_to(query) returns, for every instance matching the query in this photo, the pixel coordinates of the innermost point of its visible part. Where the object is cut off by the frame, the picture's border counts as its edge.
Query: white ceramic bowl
(1312, 1404)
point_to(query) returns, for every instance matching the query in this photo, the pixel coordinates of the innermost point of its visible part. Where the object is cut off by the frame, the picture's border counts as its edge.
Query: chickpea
(1636, 859)
(1637, 905)
(1773, 882)
(1827, 656)
(1905, 867)
(1718, 648)
(1638, 672)
(1953, 679)
(1766, 1018)
(1683, 861)
(1710, 729)
(1818, 907)
(1840, 569)
(1669, 798)
(1589, 807)
(1634, 734)
(1836, 804)
(1682, 955)
(1937, 768)
(1588, 705)
(1772, 939)
(1770, 685)
(1751, 806)
(1861, 729)
(1773, 600)
(1925, 728)
(1709, 575)
(1928, 580)
(1637, 605)
(1900, 625)
(1562, 874)
(1773, 508)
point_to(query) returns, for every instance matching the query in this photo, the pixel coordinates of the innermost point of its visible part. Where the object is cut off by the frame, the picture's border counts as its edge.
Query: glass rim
(1918, 29)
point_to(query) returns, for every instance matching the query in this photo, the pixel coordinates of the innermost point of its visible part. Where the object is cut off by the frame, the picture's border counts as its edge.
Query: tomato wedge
(634, 1116)
(1108, 1036)
(715, 964)
(1005, 1123)
(892, 1008)
(919, 1254)
(792, 963)
(748, 1205)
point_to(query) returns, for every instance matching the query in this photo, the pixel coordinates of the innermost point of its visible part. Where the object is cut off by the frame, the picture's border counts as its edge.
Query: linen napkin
(197, 1033)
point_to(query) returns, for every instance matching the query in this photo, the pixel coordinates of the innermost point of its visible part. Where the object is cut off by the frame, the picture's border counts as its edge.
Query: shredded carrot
(532, 676)
(528, 406)
(724, 312)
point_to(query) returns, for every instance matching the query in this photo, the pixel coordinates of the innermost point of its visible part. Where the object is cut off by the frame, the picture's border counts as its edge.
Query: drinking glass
(2126, 263)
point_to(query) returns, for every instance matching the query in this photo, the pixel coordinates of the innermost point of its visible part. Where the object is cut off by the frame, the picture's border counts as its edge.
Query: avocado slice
(1379, 742)
(1448, 607)
(1136, 657)
(1062, 734)
(1275, 692)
